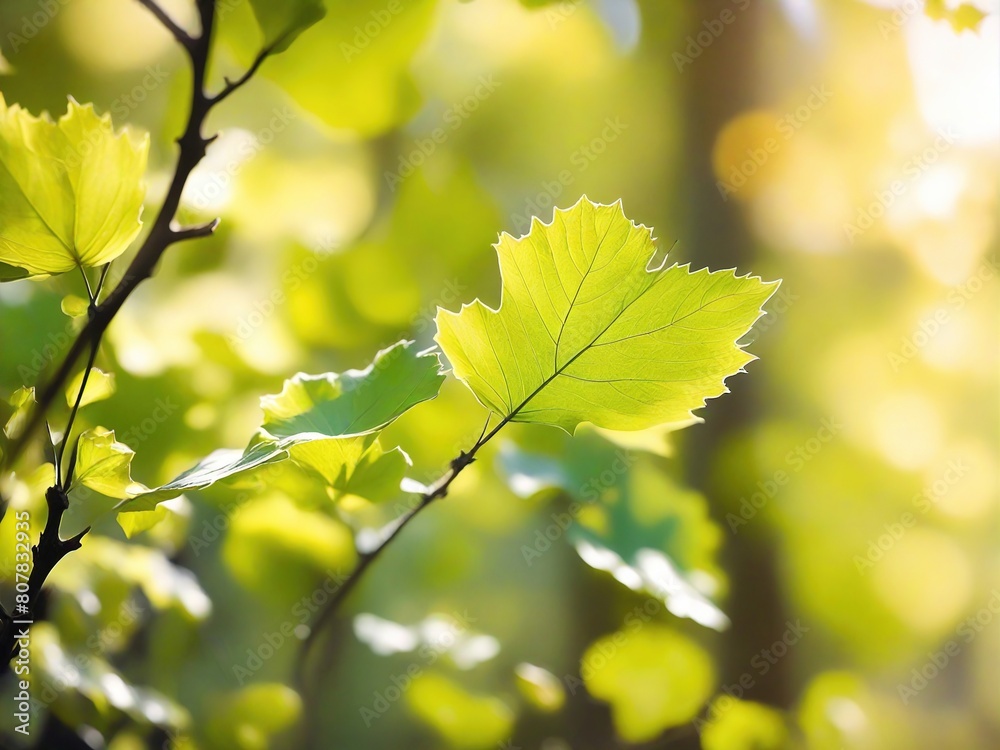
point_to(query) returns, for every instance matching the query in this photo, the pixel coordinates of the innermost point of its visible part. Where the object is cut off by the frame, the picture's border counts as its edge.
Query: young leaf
(325, 422)
(217, 466)
(100, 385)
(22, 400)
(104, 465)
(585, 332)
(281, 21)
(70, 192)
(356, 402)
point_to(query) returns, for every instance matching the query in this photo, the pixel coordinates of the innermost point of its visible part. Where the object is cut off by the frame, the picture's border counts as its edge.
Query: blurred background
(814, 566)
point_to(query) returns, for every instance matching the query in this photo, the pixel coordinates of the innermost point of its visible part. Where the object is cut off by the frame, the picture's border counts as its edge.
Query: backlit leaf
(586, 333)
(22, 400)
(654, 679)
(104, 465)
(100, 385)
(71, 191)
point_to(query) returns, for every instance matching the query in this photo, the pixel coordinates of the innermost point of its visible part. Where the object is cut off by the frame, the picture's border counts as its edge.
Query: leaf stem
(163, 233)
(68, 476)
(437, 490)
(50, 548)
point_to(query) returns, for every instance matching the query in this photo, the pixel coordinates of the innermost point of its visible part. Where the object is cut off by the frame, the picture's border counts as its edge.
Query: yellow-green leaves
(654, 679)
(71, 191)
(743, 725)
(356, 402)
(281, 21)
(100, 385)
(249, 717)
(585, 332)
(104, 465)
(464, 720)
(328, 424)
(22, 400)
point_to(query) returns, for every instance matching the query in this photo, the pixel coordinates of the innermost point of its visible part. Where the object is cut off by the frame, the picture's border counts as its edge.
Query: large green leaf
(327, 423)
(70, 192)
(586, 332)
(352, 69)
(356, 402)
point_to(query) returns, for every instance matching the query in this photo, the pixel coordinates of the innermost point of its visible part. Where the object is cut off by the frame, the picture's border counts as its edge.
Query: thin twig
(437, 490)
(182, 36)
(50, 548)
(73, 412)
(232, 86)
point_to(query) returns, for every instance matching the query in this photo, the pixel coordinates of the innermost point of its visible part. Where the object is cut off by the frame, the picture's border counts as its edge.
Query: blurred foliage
(848, 484)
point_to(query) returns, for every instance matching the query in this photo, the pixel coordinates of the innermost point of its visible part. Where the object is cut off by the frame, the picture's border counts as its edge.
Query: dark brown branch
(232, 86)
(193, 144)
(182, 36)
(161, 236)
(437, 490)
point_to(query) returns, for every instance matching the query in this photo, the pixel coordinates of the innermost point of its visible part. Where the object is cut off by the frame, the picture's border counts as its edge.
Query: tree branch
(161, 236)
(437, 490)
(182, 37)
(50, 548)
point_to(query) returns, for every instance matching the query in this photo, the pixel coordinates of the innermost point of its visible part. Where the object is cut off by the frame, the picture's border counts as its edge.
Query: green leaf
(586, 333)
(100, 385)
(104, 465)
(351, 71)
(281, 21)
(22, 400)
(654, 679)
(250, 716)
(135, 523)
(107, 694)
(355, 466)
(71, 192)
(74, 306)
(216, 467)
(327, 423)
(633, 521)
(743, 725)
(357, 402)
(463, 719)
